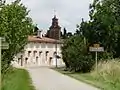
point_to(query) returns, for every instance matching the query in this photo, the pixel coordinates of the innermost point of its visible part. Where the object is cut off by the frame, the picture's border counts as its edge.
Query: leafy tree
(105, 17)
(103, 28)
(64, 33)
(15, 26)
(75, 54)
(69, 34)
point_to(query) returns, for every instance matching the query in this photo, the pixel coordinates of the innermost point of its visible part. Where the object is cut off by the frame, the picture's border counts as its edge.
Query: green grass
(90, 78)
(18, 79)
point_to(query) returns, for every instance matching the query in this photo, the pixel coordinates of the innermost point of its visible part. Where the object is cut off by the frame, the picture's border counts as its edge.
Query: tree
(103, 27)
(76, 55)
(64, 35)
(69, 34)
(15, 26)
(105, 18)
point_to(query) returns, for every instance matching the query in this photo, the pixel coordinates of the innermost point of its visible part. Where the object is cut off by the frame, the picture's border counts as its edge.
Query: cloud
(69, 12)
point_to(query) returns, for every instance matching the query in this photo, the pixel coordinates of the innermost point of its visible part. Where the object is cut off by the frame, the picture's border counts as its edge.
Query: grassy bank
(107, 77)
(18, 79)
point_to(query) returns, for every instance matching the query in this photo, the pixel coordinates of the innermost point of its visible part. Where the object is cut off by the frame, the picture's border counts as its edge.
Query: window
(26, 60)
(19, 60)
(40, 53)
(29, 53)
(47, 52)
(55, 53)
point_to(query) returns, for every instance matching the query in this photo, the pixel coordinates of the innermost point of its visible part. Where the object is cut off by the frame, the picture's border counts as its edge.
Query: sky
(69, 12)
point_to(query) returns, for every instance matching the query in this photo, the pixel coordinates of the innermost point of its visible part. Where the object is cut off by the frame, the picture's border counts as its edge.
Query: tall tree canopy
(15, 26)
(104, 25)
(103, 28)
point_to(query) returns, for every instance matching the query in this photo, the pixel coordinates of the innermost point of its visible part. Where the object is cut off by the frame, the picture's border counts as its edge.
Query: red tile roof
(42, 40)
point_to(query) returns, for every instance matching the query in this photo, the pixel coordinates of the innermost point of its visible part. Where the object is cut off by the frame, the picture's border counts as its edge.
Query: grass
(18, 79)
(86, 78)
(107, 77)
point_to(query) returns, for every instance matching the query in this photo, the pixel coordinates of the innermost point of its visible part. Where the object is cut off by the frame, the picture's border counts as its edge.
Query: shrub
(75, 54)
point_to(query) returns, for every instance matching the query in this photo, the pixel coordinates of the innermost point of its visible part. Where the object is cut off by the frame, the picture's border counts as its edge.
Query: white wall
(42, 59)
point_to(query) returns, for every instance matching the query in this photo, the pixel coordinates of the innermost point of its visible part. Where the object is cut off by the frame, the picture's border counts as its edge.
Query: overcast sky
(69, 12)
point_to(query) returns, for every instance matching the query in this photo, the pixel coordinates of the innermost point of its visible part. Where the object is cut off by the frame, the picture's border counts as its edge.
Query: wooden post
(96, 49)
(96, 61)
(56, 53)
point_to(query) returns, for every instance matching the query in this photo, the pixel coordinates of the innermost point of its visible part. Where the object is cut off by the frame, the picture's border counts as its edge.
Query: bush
(76, 56)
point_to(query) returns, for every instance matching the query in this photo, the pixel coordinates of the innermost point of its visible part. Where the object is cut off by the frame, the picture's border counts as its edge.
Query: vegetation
(106, 78)
(17, 79)
(109, 73)
(15, 26)
(75, 54)
(102, 28)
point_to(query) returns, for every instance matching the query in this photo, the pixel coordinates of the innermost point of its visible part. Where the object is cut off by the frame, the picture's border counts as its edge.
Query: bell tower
(54, 30)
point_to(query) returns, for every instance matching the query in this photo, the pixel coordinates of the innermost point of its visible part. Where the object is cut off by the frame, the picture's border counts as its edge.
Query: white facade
(39, 54)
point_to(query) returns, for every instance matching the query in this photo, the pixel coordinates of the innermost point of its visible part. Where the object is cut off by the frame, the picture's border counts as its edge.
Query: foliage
(15, 26)
(18, 79)
(66, 34)
(75, 54)
(103, 28)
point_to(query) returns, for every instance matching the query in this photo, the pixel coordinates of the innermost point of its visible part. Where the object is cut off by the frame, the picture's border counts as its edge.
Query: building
(54, 31)
(41, 50)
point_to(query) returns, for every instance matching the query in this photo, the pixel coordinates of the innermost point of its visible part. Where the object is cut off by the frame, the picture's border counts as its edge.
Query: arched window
(26, 60)
(19, 60)
(54, 54)
(46, 54)
(40, 53)
(29, 53)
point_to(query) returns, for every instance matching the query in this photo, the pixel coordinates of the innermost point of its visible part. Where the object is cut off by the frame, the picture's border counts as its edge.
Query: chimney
(39, 34)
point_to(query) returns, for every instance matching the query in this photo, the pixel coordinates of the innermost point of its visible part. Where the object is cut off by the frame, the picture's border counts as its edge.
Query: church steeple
(54, 22)
(55, 29)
